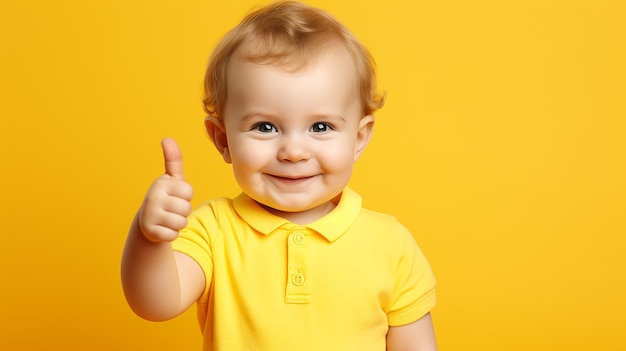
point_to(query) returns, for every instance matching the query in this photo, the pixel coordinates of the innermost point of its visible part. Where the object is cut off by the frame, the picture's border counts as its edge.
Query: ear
(364, 133)
(216, 131)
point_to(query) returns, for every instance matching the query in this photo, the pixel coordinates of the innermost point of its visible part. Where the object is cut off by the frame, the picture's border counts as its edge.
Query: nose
(293, 148)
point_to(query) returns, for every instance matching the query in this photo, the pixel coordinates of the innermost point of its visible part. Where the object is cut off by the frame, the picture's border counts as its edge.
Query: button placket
(298, 289)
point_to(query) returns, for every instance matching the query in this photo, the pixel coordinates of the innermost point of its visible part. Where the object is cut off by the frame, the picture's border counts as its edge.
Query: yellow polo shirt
(335, 284)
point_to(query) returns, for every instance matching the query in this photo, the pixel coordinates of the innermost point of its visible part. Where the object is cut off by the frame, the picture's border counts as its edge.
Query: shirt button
(298, 238)
(297, 279)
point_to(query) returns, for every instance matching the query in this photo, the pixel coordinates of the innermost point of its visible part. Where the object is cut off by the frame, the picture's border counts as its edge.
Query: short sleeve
(195, 241)
(414, 291)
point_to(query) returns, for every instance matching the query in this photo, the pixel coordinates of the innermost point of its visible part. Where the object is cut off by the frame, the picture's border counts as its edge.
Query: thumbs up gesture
(168, 201)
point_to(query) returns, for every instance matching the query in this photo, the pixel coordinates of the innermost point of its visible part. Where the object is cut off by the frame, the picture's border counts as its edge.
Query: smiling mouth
(290, 179)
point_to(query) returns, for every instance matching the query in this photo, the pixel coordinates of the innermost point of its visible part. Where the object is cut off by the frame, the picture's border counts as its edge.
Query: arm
(160, 284)
(417, 336)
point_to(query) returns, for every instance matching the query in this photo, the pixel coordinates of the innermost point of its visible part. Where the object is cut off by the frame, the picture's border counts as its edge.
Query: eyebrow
(321, 117)
(332, 116)
(251, 115)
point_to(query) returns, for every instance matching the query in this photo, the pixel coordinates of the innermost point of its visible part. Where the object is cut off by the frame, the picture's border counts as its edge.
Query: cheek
(338, 159)
(249, 155)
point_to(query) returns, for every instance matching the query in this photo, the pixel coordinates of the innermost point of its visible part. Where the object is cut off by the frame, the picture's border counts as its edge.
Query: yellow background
(502, 147)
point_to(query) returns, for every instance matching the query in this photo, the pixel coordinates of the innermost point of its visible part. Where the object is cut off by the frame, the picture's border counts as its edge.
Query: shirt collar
(331, 226)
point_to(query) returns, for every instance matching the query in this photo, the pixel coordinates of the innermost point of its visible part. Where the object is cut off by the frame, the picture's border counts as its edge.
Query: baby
(293, 262)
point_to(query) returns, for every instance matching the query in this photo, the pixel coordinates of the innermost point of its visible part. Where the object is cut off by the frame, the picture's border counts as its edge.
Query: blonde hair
(289, 34)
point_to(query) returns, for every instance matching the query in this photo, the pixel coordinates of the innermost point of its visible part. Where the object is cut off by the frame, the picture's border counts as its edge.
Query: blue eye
(321, 127)
(264, 127)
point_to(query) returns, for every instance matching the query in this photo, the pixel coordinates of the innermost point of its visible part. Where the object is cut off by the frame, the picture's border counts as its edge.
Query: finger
(162, 226)
(180, 189)
(159, 234)
(178, 206)
(173, 222)
(173, 158)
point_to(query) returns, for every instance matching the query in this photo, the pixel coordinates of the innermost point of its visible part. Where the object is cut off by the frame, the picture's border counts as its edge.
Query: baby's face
(293, 137)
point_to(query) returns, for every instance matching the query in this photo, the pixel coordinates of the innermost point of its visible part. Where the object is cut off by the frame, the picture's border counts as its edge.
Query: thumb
(173, 159)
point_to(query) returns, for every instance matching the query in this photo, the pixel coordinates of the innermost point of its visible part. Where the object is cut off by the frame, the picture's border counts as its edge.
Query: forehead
(327, 79)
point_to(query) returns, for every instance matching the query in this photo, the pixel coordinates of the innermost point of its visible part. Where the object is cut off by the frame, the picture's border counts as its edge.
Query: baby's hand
(167, 204)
